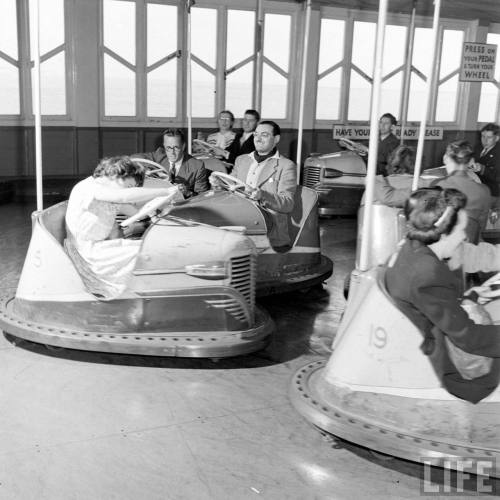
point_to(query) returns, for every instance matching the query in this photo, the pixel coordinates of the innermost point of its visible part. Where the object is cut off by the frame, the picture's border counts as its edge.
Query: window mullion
(140, 60)
(346, 73)
(220, 60)
(26, 104)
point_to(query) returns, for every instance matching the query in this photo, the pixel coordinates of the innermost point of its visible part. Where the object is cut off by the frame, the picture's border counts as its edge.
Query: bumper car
(299, 266)
(338, 179)
(192, 294)
(378, 389)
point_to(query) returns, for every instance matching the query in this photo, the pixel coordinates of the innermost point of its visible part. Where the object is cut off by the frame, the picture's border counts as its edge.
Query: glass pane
(239, 90)
(162, 90)
(53, 85)
(240, 36)
(363, 46)
(203, 92)
(416, 99)
(495, 39)
(446, 106)
(119, 89)
(277, 39)
(9, 89)
(51, 24)
(394, 48)
(328, 96)
(390, 98)
(331, 45)
(451, 51)
(488, 103)
(274, 93)
(8, 28)
(204, 35)
(119, 28)
(359, 98)
(422, 50)
(162, 31)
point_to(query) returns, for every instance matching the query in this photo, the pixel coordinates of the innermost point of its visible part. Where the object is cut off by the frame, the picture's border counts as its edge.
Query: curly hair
(431, 212)
(401, 160)
(120, 167)
(461, 152)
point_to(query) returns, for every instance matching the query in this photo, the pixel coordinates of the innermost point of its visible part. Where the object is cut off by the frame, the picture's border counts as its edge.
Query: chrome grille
(243, 271)
(243, 278)
(311, 175)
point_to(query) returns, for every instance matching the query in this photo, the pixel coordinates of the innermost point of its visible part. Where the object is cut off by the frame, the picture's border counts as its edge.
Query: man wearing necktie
(487, 158)
(272, 181)
(186, 172)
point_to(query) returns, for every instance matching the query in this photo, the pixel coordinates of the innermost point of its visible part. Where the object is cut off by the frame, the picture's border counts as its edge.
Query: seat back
(303, 220)
(388, 228)
(53, 219)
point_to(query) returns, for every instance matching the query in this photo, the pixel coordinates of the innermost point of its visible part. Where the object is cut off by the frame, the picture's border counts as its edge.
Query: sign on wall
(478, 62)
(358, 133)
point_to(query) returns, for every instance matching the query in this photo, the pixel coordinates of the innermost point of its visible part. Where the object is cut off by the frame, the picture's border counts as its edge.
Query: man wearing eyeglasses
(271, 180)
(187, 172)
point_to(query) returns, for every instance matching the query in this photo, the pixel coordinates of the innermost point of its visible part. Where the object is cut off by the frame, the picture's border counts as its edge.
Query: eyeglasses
(172, 149)
(264, 135)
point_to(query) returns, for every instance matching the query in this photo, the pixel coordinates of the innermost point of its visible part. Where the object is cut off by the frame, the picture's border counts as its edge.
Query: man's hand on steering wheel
(219, 180)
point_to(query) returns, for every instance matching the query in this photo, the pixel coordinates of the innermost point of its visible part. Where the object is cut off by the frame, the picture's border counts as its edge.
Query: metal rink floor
(78, 425)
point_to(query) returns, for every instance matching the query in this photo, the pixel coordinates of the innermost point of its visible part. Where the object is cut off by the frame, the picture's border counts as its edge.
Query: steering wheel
(153, 170)
(353, 146)
(233, 184)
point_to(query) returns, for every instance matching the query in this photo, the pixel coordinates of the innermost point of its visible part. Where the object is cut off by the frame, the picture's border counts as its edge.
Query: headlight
(332, 173)
(210, 270)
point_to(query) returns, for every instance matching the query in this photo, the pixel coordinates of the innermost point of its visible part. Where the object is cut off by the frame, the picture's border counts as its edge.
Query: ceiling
(487, 11)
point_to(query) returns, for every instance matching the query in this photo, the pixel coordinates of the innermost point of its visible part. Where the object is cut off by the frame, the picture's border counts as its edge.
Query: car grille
(311, 176)
(243, 270)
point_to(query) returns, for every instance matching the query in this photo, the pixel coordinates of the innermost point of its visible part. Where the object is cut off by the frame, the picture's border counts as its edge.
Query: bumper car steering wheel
(153, 170)
(233, 184)
(353, 146)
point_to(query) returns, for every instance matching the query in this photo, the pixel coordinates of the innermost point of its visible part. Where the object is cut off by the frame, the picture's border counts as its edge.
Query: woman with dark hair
(93, 240)
(429, 293)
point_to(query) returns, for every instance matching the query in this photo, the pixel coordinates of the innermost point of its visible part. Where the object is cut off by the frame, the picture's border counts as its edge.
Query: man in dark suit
(487, 158)
(243, 143)
(184, 170)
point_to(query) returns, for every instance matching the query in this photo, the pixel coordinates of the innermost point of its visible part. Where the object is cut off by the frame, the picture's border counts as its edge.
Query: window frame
(26, 115)
(349, 16)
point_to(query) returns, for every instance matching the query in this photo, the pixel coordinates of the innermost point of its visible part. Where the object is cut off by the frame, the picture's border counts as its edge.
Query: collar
(274, 153)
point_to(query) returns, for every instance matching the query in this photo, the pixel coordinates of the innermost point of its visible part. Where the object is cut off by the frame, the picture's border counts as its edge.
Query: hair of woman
(431, 212)
(401, 160)
(120, 167)
(461, 152)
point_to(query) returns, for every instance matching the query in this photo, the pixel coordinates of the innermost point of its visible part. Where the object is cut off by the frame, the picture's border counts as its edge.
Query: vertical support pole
(406, 84)
(189, 110)
(373, 144)
(428, 89)
(305, 48)
(259, 43)
(37, 94)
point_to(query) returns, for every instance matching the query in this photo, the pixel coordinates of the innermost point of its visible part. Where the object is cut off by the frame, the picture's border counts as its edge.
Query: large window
(16, 61)
(345, 71)
(489, 104)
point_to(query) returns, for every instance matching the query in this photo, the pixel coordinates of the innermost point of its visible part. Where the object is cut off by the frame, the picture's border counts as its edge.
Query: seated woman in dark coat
(429, 293)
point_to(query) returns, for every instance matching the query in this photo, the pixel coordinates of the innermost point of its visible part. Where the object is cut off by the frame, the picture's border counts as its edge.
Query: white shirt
(255, 169)
(177, 165)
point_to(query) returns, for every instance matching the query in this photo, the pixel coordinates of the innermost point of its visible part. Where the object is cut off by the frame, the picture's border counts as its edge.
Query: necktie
(171, 173)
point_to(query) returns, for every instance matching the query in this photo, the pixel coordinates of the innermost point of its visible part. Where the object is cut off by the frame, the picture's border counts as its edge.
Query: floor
(77, 425)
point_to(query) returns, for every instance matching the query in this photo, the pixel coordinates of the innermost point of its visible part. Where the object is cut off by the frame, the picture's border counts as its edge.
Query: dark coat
(428, 293)
(385, 148)
(192, 172)
(491, 173)
(236, 149)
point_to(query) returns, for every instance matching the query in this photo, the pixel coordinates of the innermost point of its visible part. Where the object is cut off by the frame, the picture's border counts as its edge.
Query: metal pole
(37, 105)
(428, 88)
(189, 110)
(373, 144)
(303, 86)
(406, 84)
(257, 84)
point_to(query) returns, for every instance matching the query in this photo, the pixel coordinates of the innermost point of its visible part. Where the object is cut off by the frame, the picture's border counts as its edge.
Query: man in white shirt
(272, 180)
